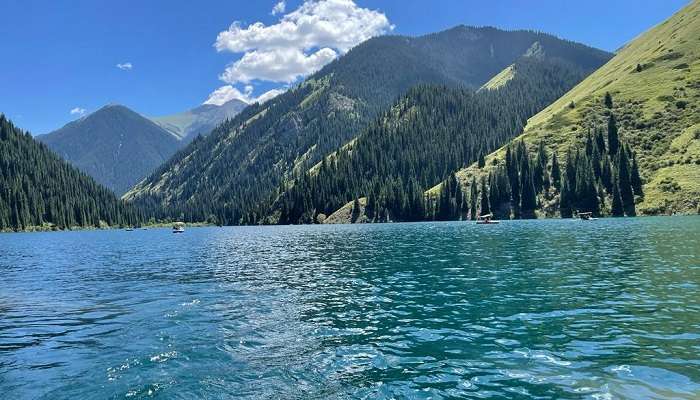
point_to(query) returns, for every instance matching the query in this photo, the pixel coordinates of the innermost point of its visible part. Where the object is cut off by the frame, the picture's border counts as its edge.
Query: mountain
(200, 120)
(228, 175)
(38, 189)
(430, 131)
(639, 109)
(115, 145)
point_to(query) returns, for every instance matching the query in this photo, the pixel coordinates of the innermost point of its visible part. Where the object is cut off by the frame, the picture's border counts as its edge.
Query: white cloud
(77, 111)
(125, 66)
(227, 93)
(282, 65)
(279, 8)
(299, 44)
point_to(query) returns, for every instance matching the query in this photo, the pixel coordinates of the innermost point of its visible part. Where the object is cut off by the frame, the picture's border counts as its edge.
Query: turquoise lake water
(556, 309)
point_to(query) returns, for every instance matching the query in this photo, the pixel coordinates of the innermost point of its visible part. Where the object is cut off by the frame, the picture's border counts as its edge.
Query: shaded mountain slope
(114, 145)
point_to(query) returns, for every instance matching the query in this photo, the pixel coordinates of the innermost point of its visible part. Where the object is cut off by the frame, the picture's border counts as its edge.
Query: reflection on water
(530, 309)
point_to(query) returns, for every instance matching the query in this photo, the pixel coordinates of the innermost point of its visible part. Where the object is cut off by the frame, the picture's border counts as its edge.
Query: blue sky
(63, 56)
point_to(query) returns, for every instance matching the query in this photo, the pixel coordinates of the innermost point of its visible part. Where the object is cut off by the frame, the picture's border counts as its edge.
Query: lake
(548, 309)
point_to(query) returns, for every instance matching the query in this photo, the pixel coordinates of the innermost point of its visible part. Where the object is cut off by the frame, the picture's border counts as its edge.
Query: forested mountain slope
(236, 172)
(428, 134)
(643, 106)
(38, 189)
(116, 146)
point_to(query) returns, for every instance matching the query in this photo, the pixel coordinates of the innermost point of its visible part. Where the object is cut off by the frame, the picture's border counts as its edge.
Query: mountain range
(236, 172)
(448, 125)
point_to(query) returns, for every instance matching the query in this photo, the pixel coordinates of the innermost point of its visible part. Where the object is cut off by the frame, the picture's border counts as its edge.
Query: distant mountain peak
(115, 145)
(199, 120)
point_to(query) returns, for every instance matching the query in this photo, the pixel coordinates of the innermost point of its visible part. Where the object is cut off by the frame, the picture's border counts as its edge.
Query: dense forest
(40, 190)
(427, 135)
(233, 175)
(600, 176)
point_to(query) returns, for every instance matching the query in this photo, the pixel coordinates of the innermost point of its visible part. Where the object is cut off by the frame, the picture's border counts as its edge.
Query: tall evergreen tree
(616, 209)
(485, 208)
(624, 185)
(472, 199)
(608, 101)
(635, 179)
(613, 139)
(556, 172)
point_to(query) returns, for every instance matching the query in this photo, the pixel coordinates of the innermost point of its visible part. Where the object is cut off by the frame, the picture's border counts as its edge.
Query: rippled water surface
(520, 310)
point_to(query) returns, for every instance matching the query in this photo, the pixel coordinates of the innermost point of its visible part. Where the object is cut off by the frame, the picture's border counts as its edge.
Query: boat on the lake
(179, 227)
(586, 216)
(129, 229)
(486, 219)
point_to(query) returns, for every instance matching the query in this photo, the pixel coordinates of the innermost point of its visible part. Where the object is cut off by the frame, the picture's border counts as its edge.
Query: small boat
(179, 227)
(129, 229)
(486, 219)
(586, 216)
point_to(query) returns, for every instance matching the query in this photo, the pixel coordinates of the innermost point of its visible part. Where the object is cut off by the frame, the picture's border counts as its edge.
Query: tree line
(37, 188)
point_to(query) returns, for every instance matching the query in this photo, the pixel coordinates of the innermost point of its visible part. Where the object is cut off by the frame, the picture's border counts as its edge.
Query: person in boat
(179, 227)
(485, 219)
(586, 216)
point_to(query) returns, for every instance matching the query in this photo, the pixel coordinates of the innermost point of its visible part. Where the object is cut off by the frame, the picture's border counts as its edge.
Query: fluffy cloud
(301, 43)
(227, 93)
(283, 65)
(279, 8)
(77, 111)
(125, 66)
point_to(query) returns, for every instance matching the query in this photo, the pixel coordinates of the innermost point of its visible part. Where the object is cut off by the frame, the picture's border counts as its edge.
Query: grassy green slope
(656, 104)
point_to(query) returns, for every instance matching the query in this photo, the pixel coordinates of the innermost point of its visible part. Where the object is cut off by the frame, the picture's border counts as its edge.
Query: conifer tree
(355, 210)
(565, 200)
(616, 209)
(635, 179)
(624, 185)
(485, 208)
(613, 139)
(608, 100)
(472, 199)
(556, 172)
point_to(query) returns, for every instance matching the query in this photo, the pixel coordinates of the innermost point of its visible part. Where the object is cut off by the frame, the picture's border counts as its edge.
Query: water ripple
(521, 310)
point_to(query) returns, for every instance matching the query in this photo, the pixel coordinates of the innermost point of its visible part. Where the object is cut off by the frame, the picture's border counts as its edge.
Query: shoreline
(205, 225)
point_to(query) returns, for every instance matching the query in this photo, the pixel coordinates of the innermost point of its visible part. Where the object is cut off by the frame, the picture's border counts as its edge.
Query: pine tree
(356, 210)
(481, 162)
(613, 139)
(608, 100)
(556, 172)
(616, 209)
(565, 200)
(485, 208)
(624, 185)
(472, 199)
(635, 179)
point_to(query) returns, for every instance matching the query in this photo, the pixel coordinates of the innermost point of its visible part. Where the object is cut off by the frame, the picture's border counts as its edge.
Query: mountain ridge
(242, 163)
(115, 145)
(654, 87)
